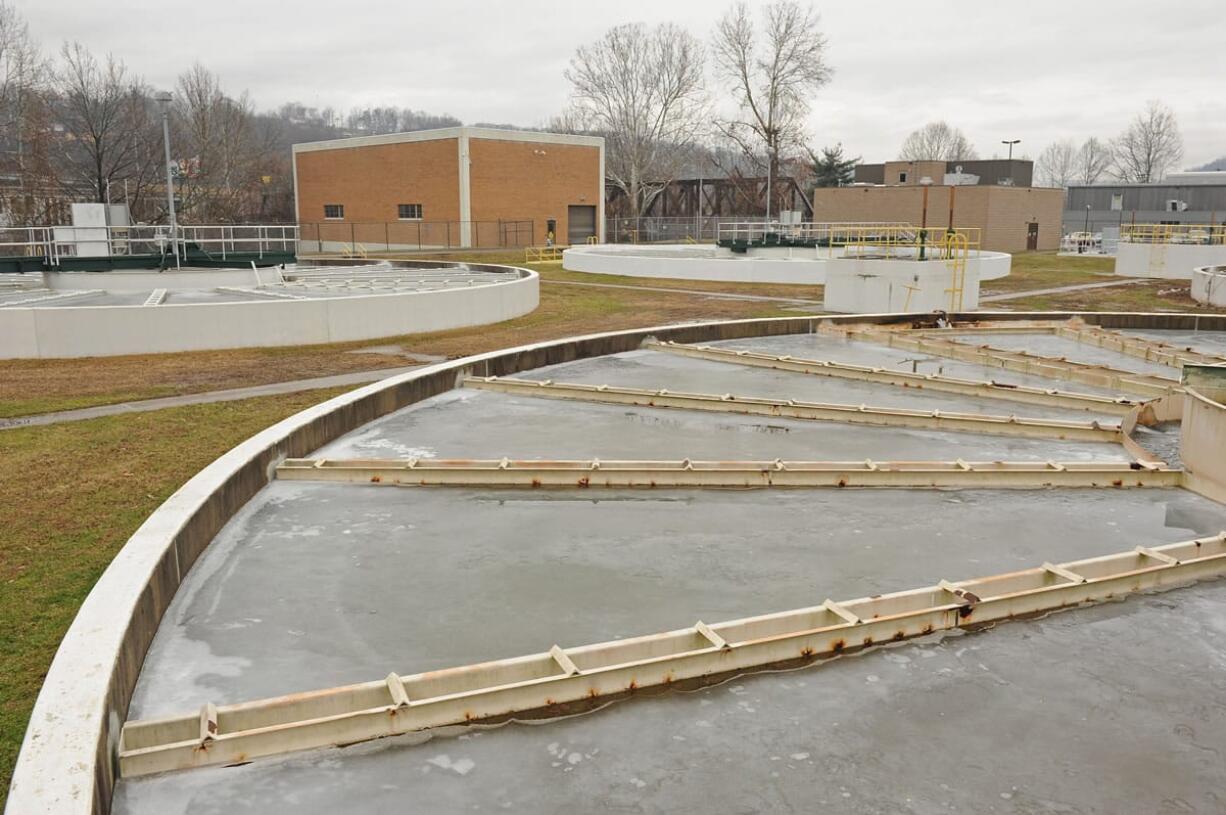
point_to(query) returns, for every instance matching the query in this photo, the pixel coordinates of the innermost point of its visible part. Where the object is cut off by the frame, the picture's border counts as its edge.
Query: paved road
(231, 395)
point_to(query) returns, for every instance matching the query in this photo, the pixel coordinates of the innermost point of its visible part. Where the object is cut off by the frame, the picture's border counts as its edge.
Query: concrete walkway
(1018, 295)
(231, 395)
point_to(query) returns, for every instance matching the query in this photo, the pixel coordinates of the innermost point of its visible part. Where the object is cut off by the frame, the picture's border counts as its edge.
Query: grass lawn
(1149, 295)
(70, 496)
(1045, 270)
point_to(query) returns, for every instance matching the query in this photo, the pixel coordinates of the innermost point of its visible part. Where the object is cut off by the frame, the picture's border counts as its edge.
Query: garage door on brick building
(580, 224)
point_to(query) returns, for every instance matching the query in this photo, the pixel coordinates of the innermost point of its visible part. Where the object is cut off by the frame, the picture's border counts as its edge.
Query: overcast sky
(1035, 71)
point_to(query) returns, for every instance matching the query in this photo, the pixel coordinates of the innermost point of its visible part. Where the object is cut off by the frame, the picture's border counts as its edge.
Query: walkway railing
(390, 236)
(822, 234)
(53, 243)
(1188, 234)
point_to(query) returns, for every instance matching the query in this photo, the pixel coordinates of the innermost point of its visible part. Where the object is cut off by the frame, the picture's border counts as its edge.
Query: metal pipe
(163, 98)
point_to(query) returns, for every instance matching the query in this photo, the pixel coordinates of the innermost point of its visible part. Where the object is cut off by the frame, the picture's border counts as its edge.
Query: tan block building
(457, 186)
(1010, 219)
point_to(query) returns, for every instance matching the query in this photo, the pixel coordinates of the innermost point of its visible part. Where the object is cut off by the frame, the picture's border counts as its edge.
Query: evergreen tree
(832, 168)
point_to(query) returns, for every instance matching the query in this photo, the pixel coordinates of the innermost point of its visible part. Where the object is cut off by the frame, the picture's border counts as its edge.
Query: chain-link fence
(391, 236)
(698, 229)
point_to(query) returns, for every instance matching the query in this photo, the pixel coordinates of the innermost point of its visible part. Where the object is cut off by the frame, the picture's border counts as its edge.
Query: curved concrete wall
(67, 761)
(1172, 261)
(91, 331)
(707, 262)
(1209, 285)
(695, 262)
(867, 286)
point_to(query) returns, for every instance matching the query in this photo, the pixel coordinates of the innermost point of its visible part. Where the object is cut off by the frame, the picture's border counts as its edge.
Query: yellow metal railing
(543, 254)
(902, 241)
(957, 252)
(1190, 234)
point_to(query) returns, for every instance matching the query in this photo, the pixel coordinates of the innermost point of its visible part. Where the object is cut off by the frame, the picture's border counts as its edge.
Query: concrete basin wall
(1209, 285)
(92, 331)
(1172, 261)
(709, 262)
(1202, 440)
(700, 262)
(67, 761)
(868, 286)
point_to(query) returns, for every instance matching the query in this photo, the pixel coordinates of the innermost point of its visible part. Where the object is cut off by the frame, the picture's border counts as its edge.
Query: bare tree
(937, 141)
(1093, 161)
(21, 74)
(1149, 147)
(107, 118)
(395, 120)
(773, 74)
(1057, 165)
(226, 153)
(642, 89)
(24, 125)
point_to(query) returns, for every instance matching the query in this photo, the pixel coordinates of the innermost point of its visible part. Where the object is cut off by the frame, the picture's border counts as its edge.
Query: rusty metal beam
(1078, 330)
(989, 389)
(568, 680)
(1149, 350)
(1102, 376)
(415, 472)
(983, 424)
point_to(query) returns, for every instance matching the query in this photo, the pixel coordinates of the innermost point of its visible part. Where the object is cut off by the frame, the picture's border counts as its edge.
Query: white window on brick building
(334, 212)
(408, 212)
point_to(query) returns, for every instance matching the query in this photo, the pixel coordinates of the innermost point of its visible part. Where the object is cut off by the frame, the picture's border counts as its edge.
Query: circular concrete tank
(1209, 285)
(590, 500)
(74, 314)
(803, 266)
(1173, 261)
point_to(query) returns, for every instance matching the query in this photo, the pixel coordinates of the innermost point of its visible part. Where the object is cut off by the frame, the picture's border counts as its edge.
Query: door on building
(580, 224)
(1032, 237)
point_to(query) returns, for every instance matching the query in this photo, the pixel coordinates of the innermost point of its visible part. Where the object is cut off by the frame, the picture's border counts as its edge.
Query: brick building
(1011, 219)
(457, 186)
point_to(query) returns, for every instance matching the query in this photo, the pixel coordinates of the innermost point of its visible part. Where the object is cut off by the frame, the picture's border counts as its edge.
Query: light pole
(1011, 142)
(770, 166)
(1083, 244)
(163, 98)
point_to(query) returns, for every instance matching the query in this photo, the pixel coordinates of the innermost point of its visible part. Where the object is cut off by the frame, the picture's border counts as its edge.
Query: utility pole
(163, 98)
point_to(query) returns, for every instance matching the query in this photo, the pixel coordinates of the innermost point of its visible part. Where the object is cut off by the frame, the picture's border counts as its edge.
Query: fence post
(387, 236)
(353, 242)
